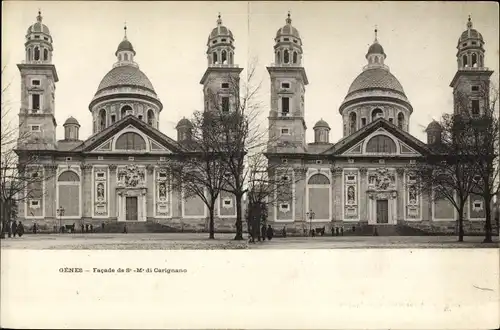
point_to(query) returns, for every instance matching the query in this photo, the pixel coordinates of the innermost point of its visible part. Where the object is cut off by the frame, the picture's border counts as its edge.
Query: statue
(351, 198)
(100, 191)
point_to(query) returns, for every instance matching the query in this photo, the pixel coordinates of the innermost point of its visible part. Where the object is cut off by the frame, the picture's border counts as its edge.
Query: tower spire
(219, 20)
(376, 31)
(125, 31)
(39, 17)
(469, 23)
(288, 19)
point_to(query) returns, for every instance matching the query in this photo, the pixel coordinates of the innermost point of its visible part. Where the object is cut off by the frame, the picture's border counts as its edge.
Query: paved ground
(146, 241)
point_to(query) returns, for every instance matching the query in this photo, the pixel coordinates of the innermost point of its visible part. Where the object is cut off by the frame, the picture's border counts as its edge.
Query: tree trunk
(239, 224)
(461, 224)
(211, 225)
(487, 224)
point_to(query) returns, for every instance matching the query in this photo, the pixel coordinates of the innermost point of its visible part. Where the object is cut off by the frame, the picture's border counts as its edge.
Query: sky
(419, 38)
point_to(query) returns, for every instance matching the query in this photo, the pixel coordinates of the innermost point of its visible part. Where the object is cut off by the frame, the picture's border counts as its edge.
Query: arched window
(230, 58)
(224, 57)
(214, 55)
(376, 59)
(381, 144)
(377, 113)
(278, 57)
(151, 117)
(125, 111)
(68, 176)
(352, 122)
(401, 120)
(29, 54)
(102, 119)
(126, 57)
(295, 57)
(45, 54)
(474, 60)
(37, 54)
(130, 141)
(318, 179)
(481, 60)
(120, 57)
(464, 61)
(286, 56)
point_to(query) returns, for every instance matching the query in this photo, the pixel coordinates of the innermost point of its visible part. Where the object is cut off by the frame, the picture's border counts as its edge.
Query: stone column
(87, 191)
(363, 198)
(299, 201)
(401, 194)
(50, 193)
(149, 196)
(337, 191)
(112, 192)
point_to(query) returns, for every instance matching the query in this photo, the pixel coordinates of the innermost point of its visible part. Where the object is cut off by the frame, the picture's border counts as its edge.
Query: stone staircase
(137, 227)
(384, 230)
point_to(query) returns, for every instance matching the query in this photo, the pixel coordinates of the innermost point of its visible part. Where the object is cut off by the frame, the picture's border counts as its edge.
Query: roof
(376, 78)
(288, 30)
(376, 48)
(125, 75)
(470, 33)
(71, 121)
(38, 27)
(125, 45)
(220, 31)
(321, 123)
(184, 122)
(434, 125)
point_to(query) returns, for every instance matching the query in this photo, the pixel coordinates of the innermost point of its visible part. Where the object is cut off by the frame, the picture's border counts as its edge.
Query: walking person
(102, 227)
(284, 231)
(83, 228)
(263, 232)
(35, 228)
(270, 232)
(87, 228)
(91, 228)
(14, 228)
(20, 229)
(125, 230)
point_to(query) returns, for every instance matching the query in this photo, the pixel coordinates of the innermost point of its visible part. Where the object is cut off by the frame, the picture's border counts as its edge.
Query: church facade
(117, 175)
(364, 178)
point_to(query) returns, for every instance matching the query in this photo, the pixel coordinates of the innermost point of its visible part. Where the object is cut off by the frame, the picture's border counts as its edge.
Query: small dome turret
(184, 129)
(71, 129)
(434, 133)
(376, 54)
(321, 132)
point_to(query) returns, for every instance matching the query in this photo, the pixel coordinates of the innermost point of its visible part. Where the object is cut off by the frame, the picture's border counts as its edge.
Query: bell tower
(471, 82)
(222, 77)
(37, 123)
(287, 126)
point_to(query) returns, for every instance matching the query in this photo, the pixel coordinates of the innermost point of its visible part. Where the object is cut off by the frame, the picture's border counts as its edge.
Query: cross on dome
(39, 17)
(469, 23)
(288, 19)
(125, 30)
(219, 20)
(376, 31)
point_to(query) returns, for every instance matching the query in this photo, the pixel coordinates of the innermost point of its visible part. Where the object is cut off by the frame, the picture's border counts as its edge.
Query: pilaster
(112, 191)
(400, 184)
(337, 192)
(300, 193)
(150, 184)
(363, 198)
(50, 173)
(87, 190)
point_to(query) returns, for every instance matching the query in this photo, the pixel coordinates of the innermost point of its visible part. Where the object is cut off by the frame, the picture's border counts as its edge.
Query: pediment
(391, 141)
(130, 135)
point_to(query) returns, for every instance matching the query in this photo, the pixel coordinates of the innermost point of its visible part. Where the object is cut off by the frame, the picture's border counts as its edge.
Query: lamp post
(60, 213)
(310, 215)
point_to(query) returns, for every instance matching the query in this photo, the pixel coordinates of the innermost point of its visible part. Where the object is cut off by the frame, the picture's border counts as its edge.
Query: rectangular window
(284, 207)
(475, 107)
(35, 82)
(113, 119)
(286, 39)
(35, 128)
(34, 203)
(37, 37)
(285, 131)
(35, 102)
(225, 85)
(285, 106)
(68, 159)
(140, 117)
(391, 120)
(225, 104)
(475, 88)
(223, 40)
(363, 121)
(285, 85)
(100, 175)
(163, 175)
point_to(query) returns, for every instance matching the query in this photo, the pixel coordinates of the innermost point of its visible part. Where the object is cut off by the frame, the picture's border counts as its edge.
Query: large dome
(376, 78)
(125, 75)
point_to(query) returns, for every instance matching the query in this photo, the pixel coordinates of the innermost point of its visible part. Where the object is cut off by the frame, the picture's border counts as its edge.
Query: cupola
(220, 46)
(470, 54)
(38, 44)
(321, 132)
(288, 45)
(71, 128)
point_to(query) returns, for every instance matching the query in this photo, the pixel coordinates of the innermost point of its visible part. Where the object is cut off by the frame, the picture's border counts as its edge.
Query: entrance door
(131, 208)
(382, 211)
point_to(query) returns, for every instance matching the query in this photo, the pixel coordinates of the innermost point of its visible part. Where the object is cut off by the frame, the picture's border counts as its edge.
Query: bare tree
(198, 172)
(448, 174)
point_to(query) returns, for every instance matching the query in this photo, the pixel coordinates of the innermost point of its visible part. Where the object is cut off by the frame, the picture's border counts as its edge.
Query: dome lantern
(38, 45)
(470, 54)
(125, 52)
(288, 45)
(375, 54)
(220, 46)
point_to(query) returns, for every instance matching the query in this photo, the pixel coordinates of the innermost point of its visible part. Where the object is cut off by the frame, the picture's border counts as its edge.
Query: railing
(218, 65)
(474, 69)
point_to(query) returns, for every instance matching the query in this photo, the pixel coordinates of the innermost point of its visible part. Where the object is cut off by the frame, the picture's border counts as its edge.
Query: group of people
(15, 228)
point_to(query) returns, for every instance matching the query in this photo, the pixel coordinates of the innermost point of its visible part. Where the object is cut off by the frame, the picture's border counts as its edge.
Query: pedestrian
(341, 231)
(14, 228)
(73, 228)
(102, 227)
(9, 229)
(91, 228)
(337, 231)
(83, 228)
(284, 231)
(263, 232)
(125, 229)
(87, 228)
(35, 228)
(333, 231)
(270, 232)
(375, 231)
(20, 229)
